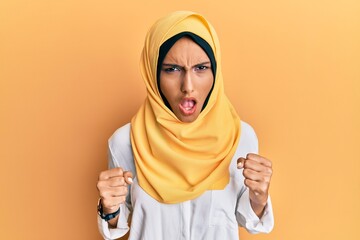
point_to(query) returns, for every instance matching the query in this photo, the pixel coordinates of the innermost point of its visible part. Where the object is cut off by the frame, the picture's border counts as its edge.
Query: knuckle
(103, 194)
(98, 185)
(101, 185)
(102, 175)
(119, 171)
(246, 163)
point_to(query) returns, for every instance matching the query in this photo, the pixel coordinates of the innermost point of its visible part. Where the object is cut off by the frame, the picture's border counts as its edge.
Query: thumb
(240, 163)
(128, 177)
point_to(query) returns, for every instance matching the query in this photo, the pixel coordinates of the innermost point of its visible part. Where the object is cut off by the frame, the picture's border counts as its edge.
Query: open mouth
(187, 106)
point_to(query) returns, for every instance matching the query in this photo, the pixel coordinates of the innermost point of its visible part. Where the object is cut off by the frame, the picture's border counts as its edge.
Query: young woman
(186, 167)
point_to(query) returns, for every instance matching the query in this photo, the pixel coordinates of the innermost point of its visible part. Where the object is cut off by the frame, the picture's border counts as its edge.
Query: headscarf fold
(178, 161)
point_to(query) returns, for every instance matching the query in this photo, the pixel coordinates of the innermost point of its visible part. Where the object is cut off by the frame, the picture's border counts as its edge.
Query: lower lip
(187, 112)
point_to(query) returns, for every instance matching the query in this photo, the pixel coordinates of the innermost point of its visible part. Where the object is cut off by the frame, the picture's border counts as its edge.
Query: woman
(186, 167)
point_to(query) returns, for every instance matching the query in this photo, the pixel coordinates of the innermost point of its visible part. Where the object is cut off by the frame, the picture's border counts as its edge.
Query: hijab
(177, 161)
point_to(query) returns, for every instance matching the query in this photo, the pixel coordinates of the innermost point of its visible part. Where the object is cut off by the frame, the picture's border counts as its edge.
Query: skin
(112, 187)
(186, 77)
(257, 172)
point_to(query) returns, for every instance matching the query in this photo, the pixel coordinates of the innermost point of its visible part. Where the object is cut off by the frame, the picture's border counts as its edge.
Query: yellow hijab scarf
(177, 161)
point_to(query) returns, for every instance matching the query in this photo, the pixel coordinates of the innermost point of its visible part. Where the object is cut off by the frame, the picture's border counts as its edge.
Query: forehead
(185, 47)
(184, 42)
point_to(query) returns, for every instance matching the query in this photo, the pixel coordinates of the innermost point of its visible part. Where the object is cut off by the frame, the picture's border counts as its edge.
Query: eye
(201, 68)
(171, 69)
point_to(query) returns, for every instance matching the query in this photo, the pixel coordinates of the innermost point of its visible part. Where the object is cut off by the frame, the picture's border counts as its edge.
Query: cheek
(167, 87)
(207, 85)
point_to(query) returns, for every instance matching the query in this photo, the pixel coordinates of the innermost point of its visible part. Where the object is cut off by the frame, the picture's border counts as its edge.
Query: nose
(187, 85)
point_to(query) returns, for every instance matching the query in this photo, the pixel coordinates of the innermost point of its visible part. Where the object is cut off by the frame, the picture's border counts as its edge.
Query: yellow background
(69, 77)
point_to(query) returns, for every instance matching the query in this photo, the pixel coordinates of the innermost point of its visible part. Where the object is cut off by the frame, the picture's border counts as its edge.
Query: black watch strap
(106, 217)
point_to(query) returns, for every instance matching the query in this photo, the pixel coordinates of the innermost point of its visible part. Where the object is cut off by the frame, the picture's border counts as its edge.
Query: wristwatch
(104, 216)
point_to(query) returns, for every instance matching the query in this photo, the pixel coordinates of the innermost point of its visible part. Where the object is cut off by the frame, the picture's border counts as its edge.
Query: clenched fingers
(113, 187)
(257, 172)
(114, 172)
(259, 159)
(254, 166)
(256, 176)
(108, 192)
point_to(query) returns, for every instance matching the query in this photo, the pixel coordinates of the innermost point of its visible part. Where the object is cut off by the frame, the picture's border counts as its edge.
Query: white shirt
(216, 214)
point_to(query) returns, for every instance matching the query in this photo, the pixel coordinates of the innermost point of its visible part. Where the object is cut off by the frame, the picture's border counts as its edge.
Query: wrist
(105, 213)
(258, 208)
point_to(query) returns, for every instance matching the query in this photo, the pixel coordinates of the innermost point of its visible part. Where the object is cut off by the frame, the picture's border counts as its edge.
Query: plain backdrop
(69, 77)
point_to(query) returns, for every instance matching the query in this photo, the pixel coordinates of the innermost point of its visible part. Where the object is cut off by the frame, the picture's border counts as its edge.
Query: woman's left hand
(257, 173)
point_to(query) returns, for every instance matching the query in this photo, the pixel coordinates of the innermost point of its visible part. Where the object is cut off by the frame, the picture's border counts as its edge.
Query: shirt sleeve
(122, 225)
(119, 155)
(247, 218)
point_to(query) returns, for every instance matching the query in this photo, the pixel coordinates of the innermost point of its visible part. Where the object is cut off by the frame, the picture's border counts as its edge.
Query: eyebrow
(175, 65)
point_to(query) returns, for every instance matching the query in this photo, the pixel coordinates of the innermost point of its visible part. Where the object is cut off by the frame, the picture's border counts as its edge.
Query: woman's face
(186, 79)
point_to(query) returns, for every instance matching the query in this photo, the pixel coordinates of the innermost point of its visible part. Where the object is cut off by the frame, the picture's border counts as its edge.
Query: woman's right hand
(112, 187)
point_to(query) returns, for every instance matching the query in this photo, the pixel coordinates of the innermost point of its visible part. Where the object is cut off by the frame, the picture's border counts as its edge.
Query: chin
(188, 119)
